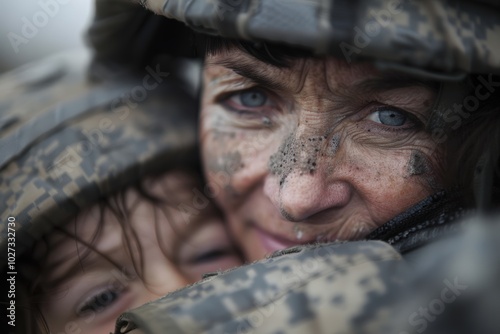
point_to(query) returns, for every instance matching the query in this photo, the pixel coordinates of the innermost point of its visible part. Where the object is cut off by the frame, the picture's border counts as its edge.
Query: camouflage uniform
(444, 36)
(357, 287)
(354, 287)
(300, 290)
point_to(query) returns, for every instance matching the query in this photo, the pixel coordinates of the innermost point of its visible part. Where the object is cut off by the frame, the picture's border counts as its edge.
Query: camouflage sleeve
(66, 142)
(442, 36)
(450, 286)
(125, 32)
(331, 288)
(115, 25)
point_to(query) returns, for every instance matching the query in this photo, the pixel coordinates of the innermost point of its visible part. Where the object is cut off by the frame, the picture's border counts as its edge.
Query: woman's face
(90, 287)
(319, 151)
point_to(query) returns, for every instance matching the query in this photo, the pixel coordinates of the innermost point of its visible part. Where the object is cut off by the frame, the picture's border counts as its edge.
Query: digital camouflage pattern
(445, 37)
(305, 289)
(354, 287)
(66, 141)
(450, 286)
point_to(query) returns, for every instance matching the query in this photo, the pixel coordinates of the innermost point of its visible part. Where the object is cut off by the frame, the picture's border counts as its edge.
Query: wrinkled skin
(318, 151)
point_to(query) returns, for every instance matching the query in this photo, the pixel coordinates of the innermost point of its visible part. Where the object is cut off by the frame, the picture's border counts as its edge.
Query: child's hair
(73, 144)
(475, 165)
(33, 264)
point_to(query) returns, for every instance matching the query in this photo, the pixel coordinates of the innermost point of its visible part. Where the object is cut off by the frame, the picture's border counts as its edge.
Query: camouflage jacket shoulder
(300, 290)
(66, 141)
(450, 286)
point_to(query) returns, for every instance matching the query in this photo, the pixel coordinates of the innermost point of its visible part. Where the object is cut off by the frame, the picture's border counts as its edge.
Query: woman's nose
(301, 195)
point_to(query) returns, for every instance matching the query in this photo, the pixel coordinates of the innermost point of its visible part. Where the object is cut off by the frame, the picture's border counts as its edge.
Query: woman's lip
(273, 243)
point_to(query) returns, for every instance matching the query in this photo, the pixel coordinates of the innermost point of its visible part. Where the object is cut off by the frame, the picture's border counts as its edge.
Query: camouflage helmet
(66, 141)
(443, 38)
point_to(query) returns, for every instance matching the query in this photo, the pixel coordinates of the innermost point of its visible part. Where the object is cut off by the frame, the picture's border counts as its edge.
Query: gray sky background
(32, 29)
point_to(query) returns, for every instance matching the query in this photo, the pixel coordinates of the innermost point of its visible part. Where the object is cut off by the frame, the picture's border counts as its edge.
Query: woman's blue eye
(253, 98)
(389, 117)
(100, 301)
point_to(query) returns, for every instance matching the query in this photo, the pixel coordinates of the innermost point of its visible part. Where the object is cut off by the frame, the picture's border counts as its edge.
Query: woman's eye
(389, 117)
(251, 98)
(99, 301)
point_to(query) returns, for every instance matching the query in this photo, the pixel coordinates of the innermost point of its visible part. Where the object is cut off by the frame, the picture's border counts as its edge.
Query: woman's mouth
(272, 243)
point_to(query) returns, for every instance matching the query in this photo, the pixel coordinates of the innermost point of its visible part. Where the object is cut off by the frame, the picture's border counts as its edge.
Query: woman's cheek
(235, 159)
(388, 180)
(234, 167)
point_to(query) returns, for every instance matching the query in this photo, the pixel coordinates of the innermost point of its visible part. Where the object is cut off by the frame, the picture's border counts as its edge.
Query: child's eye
(99, 301)
(207, 249)
(212, 255)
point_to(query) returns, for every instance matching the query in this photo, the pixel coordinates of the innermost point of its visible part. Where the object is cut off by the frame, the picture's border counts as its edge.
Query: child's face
(100, 284)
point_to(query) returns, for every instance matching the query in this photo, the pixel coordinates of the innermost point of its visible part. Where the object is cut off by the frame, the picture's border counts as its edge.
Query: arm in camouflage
(306, 289)
(355, 287)
(124, 32)
(443, 36)
(66, 142)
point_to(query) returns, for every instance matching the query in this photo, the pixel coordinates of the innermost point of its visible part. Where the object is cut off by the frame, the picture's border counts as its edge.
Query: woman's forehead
(333, 72)
(236, 60)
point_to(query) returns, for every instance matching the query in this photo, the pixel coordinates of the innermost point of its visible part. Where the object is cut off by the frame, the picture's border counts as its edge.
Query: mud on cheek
(421, 166)
(221, 168)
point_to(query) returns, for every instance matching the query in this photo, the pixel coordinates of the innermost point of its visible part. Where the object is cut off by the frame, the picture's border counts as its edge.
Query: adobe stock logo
(31, 26)
(421, 318)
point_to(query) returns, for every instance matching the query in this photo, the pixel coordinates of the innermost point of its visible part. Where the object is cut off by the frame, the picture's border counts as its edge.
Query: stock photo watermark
(455, 115)
(120, 110)
(424, 315)
(32, 24)
(11, 271)
(363, 36)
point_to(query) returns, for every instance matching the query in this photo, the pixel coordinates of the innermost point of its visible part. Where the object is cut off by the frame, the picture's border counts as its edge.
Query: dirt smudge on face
(223, 135)
(285, 159)
(232, 162)
(296, 154)
(334, 145)
(224, 167)
(418, 164)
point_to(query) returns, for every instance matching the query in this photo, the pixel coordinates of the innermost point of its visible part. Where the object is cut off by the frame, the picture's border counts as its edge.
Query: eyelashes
(212, 255)
(100, 301)
(252, 98)
(394, 118)
(256, 102)
(248, 101)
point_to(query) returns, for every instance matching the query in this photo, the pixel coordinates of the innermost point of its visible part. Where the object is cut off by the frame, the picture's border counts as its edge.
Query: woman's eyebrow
(379, 84)
(265, 77)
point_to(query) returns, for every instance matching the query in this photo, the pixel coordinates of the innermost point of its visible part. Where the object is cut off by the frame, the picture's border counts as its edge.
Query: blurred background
(32, 29)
